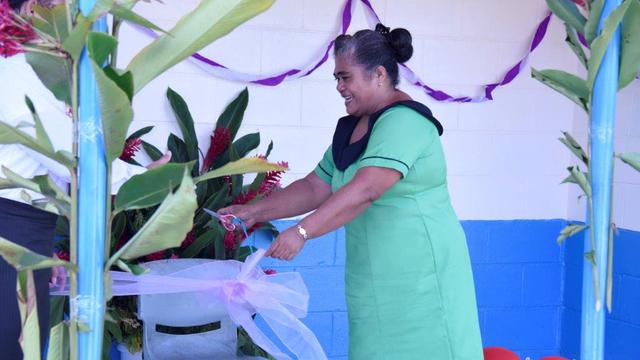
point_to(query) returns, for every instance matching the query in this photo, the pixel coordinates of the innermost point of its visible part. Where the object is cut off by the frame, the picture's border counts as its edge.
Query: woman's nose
(339, 86)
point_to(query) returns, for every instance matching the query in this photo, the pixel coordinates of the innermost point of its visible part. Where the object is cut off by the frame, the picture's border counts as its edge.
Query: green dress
(409, 285)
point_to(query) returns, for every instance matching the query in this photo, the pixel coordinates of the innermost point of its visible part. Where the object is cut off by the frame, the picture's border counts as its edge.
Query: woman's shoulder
(410, 116)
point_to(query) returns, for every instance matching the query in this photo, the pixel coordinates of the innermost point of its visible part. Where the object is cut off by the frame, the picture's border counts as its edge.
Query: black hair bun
(400, 41)
(16, 4)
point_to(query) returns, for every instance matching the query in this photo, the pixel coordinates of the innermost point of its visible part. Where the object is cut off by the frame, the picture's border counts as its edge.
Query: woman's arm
(344, 205)
(298, 198)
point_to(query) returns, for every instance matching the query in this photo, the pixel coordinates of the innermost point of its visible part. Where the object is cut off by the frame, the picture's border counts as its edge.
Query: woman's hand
(246, 213)
(287, 245)
(58, 278)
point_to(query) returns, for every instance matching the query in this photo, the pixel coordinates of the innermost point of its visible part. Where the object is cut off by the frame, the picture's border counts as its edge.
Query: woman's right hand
(246, 213)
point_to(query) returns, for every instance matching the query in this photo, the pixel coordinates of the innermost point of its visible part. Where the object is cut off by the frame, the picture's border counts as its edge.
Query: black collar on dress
(345, 154)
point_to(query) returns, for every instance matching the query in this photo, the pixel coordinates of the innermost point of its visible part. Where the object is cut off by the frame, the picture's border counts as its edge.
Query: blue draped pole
(92, 196)
(603, 110)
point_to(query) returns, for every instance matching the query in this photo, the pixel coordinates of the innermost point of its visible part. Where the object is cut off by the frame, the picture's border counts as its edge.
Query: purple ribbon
(224, 72)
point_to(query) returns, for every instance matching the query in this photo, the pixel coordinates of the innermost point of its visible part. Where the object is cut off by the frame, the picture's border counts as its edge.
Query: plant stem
(114, 32)
(73, 222)
(609, 285)
(594, 268)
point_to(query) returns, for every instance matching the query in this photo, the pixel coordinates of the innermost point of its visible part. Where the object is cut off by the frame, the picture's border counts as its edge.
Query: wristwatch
(302, 232)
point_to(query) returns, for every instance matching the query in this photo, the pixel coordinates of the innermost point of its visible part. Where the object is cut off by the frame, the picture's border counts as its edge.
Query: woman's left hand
(286, 246)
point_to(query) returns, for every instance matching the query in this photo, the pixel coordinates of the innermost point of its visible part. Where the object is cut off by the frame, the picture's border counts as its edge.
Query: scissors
(228, 221)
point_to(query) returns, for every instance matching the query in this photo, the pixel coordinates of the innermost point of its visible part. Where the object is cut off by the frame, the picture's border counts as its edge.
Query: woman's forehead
(346, 63)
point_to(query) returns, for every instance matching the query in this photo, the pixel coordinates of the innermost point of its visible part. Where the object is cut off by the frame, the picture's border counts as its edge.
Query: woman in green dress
(409, 286)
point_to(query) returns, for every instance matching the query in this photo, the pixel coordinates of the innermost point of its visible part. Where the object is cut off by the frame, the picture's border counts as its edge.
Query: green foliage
(209, 21)
(569, 231)
(567, 84)
(632, 159)
(630, 45)
(600, 44)
(166, 228)
(568, 12)
(579, 91)
(30, 337)
(23, 259)
(150, 188)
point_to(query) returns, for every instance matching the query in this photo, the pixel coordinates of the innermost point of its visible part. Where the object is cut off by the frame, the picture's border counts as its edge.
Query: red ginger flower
(14, 31)
(130, 148)
(220, 140)
(63, 255)
(188, 240)
(230, 242)
(158, 255)
(270, 183)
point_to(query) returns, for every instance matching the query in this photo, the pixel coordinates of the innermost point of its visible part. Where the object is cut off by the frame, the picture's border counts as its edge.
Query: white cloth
(17, 79)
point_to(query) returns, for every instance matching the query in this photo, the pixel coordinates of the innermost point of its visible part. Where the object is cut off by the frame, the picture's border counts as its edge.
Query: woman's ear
(380, 74)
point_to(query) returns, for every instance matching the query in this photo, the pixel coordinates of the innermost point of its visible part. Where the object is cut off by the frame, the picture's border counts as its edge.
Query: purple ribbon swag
(221, 71)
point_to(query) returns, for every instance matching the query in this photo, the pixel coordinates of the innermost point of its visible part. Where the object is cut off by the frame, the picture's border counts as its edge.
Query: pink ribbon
(281, 299)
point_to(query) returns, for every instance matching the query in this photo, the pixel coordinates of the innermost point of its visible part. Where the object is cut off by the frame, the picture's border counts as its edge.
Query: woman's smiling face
(357, 86)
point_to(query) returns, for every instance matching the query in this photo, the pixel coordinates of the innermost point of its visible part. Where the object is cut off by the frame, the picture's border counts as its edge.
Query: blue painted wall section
(518, 269)
(623, 324)
(528, 288)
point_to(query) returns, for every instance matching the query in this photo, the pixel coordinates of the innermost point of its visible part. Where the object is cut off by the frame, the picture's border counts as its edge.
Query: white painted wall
(503, 156)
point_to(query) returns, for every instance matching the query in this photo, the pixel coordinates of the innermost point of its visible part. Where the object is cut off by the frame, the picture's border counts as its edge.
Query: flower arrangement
(166, 200)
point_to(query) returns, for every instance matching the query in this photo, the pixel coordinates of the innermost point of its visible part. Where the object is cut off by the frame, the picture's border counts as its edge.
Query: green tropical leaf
(601, 43)
(200, 243)
(124, 80)
(41, 184)
(568, 12)
(151, 150)
(30, 336)
(591, 27)
(630, 45)
(185, 121)
(231, 117)
(22, 258)
(575, 147)
(150, 188)
(52, 20)
(75, 41)
(178, 149)
(632, 159)
(11, 135)
(209, 21)
(100, 45)
(569, 231)
(140, 132)
(58, 342)
(54, 72)
(241, 166)
(115, 112)
(57, 196)
(574, 43)
(166, 228)
(567, 84)
(41, 135)
(126, 14)
(214, 202)
(131, 268)
(580, 179)
(591, 257)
